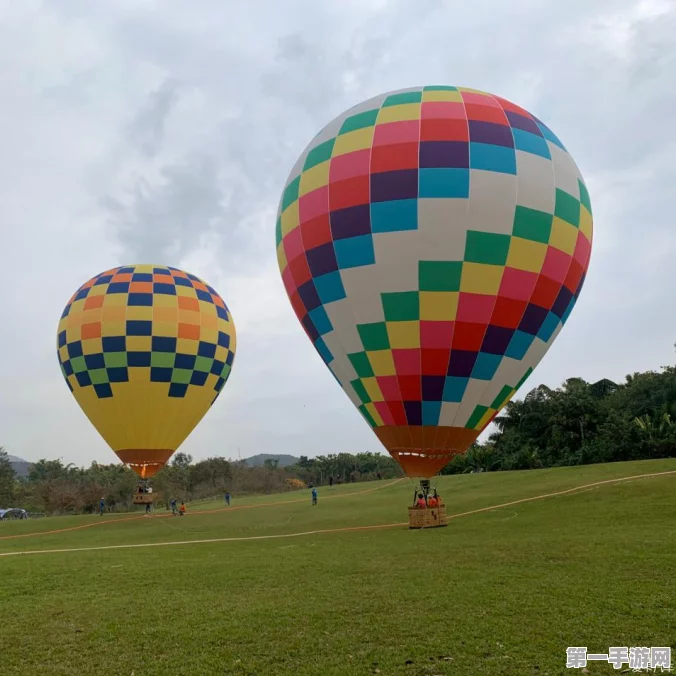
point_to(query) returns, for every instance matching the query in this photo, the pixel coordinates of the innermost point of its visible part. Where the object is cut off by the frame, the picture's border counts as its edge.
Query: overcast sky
(163, 131)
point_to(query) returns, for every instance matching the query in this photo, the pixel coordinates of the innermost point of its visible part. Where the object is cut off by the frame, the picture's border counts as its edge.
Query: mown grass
(498, 592)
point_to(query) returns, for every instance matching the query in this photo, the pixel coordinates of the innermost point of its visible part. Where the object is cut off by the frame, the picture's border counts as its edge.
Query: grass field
(501, 591)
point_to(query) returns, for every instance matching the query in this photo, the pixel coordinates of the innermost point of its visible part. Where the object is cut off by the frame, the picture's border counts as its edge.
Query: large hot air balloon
(433, 241)
(145, 350)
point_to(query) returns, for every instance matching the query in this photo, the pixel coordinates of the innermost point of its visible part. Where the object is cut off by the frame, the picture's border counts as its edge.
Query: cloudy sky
(163, 131)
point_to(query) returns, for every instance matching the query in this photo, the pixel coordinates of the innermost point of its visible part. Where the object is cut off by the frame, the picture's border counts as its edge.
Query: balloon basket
(143, 499)
(430, 517)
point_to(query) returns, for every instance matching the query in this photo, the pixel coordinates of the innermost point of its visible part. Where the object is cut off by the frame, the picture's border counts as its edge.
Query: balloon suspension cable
(425, 488)
(416, 489)
(422, 488)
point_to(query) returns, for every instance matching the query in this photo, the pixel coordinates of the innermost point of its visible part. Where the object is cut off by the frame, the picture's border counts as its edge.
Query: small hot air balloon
(433, 241)
(146, 350)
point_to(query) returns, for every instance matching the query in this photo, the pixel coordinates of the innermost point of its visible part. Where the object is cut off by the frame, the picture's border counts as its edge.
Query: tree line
(581, 423)
(54, 488)
(575, 424)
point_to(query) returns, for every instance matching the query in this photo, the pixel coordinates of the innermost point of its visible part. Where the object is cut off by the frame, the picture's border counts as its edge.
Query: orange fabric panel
(146, 462)
(422, 451)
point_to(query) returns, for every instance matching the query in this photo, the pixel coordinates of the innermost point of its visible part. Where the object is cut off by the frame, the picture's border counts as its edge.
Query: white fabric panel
(397, 260)
(535, 182)
(492, 199)
(442, 225)
(565, 171)
(363, 294)
(344, 331)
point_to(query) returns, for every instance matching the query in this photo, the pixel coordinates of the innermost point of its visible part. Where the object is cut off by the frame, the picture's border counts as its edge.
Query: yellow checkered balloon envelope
(433, 241)
(146, 350)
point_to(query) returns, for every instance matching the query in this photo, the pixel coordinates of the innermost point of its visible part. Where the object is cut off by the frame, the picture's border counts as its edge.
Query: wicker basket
(431, 517)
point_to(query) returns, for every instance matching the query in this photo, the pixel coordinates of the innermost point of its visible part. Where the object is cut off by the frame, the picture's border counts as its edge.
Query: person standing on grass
(173, 505)
(149, 490)
(102, 505)
(314, 495)
(227, 498)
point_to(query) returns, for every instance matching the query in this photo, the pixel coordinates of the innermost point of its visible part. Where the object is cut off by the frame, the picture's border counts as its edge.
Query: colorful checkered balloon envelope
(146, 350)
(433, 241)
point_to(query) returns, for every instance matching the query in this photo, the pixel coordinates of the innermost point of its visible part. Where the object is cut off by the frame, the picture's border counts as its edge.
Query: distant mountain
(20, 465)
(259, 460)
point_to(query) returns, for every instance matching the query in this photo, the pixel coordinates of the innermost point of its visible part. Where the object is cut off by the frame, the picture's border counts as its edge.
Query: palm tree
(654, 429)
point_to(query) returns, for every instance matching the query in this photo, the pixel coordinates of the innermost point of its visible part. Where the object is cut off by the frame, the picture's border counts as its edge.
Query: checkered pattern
(433, 241)
(159, 323)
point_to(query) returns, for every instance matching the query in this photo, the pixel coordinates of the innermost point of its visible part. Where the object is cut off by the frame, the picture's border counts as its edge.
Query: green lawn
(497, 592)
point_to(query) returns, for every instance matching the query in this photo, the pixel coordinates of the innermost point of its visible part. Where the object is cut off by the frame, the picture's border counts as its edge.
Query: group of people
(429, 503)
(422, 502)
(180, 510)
(175, 508)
